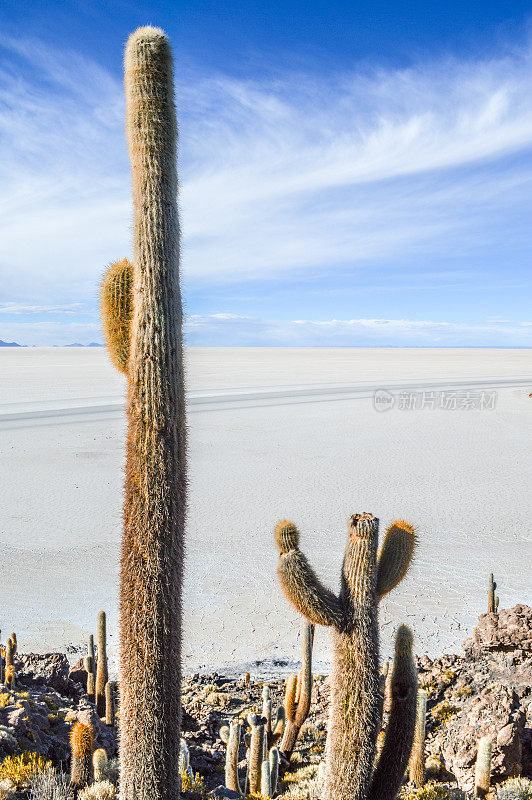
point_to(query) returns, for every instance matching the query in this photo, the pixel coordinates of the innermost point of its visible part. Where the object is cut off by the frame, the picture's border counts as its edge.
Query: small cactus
(14, 643)
(256, 752)
(298, 693)
(491, 594)
(274, 769)
(483, 767)
(417, 758)
(109, 704)
(265, 780)
(81, 750)
(184, 761)
(100, 765)
(230, 735)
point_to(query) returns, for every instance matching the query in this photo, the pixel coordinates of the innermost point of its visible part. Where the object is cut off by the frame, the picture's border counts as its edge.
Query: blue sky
(351, 174)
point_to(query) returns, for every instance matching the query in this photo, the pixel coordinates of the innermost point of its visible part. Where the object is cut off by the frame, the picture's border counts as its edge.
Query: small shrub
(102, 790)
(432, 791)
(21, 770)
(194, 785)
(51, 785)
(442, 713)
(515, 789)
(6, 699)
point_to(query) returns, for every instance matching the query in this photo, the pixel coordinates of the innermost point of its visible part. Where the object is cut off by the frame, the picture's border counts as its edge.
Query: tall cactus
(492, 585)
(297, 707)
(154, 506)
(101, 664)
(355, 711)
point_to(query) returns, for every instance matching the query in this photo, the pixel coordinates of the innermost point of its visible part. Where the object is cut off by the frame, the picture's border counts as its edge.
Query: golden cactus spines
(81, 750)
(286, 536)
(395, 556)
(355, 709)
(116, 296)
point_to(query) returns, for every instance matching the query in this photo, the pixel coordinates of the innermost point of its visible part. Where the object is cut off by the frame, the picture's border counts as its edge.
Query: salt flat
(272, 433)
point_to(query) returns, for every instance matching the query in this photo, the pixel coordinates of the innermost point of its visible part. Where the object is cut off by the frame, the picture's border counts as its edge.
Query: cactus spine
(101, 664)
(298, 694)
(355, 710)
(154, 503)
(483, 767)
(417, 759)
(491, 594)
(81, 749)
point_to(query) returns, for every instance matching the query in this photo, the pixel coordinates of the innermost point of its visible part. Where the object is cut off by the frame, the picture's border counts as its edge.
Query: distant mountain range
(74, 344)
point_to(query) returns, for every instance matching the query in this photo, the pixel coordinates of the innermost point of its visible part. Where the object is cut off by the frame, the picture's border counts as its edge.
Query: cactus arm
(395, 754)
(278, 727)
(116, 308)
(299, 582)
(395, 556)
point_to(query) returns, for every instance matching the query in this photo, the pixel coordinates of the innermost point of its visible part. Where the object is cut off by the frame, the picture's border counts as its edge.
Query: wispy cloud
(228, 329)
(298, 176)
(19, 308)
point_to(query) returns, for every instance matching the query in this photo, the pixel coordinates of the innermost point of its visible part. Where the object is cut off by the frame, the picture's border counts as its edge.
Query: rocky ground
(485, 690)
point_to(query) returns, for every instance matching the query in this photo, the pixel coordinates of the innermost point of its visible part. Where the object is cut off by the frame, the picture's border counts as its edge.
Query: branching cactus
(143, 327)
(355, 710)
(417, 758)
(101, 665)
(81, 750)
(298, 695)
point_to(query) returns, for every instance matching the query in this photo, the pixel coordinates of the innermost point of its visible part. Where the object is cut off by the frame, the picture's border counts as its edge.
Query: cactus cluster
(100, 690)
(262, 756)
(352, 771)
(7, 661)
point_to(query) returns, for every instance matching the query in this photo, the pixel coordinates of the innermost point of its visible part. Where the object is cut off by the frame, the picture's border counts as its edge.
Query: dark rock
(51, 669)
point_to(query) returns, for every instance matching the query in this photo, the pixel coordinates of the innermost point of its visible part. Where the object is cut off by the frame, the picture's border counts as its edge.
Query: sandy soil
(273, 433)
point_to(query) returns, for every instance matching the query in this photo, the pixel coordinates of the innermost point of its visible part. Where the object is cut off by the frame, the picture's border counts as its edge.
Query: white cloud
(19, 308)
(279, 179)
(231, 329)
